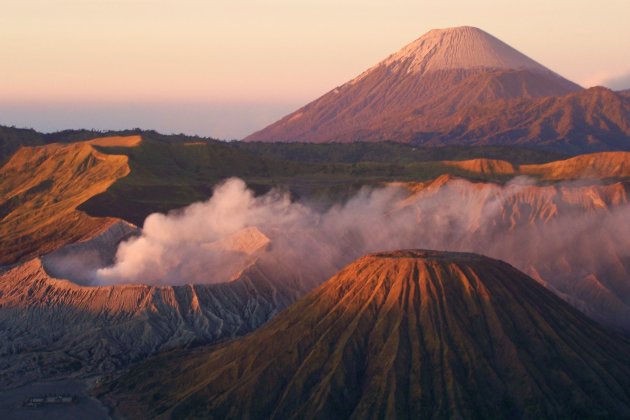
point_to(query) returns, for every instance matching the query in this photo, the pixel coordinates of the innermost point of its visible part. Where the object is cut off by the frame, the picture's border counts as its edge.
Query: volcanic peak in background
(427, 92)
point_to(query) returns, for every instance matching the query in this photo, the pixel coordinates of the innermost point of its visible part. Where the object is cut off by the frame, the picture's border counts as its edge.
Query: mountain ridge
(43, 186)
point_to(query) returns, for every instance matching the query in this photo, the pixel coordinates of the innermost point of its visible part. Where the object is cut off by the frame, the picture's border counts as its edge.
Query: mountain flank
(461, 86)
(404, 334)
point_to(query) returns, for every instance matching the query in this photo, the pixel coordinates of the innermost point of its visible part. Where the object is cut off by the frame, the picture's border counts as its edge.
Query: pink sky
(80, 63)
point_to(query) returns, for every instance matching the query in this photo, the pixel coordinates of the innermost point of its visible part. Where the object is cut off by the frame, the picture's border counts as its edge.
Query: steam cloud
(572, 242)
(179, 248)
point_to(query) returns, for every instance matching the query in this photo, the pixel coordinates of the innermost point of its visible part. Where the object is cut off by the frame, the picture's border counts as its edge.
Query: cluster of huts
(55, 399)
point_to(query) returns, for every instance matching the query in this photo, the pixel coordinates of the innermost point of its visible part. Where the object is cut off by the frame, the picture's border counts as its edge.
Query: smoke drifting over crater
(213, 241)
(574, 238)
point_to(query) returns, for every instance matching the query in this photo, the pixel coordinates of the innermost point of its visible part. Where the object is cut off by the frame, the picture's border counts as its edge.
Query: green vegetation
(169, 172)
(12, 138)
(387, 152)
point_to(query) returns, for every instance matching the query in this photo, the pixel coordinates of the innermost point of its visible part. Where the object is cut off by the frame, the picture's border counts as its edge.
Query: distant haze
(261, 59)
(228, 120)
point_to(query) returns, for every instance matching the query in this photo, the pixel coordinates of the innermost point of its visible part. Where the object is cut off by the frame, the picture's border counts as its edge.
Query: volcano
(404, 334)
(461, 86)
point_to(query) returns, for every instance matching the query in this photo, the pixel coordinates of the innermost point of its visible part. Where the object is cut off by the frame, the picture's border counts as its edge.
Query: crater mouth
(429, 254)
(74, 262)
(93, 262)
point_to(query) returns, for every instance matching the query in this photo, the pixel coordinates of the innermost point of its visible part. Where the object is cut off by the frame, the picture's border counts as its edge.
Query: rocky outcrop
(483, 166)
(599, 166)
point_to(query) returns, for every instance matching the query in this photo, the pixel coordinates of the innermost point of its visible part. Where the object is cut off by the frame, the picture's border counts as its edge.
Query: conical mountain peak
(463, 47)
(405, 334)
(423, 93)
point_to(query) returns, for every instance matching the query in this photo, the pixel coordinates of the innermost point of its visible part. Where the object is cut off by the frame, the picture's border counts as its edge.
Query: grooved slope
(51, 327)
(407, 334)
(40, 189)
(413, 94)
(464, 47)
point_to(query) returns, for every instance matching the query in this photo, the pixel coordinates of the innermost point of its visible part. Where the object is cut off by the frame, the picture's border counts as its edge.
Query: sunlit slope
(407, 334)
(598, 166)
(40, 189)
(116, 141)
(605, 165)
(170, 172)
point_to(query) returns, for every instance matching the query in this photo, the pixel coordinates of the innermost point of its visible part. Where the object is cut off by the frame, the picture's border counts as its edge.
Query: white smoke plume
(179, 248)
(566, 236)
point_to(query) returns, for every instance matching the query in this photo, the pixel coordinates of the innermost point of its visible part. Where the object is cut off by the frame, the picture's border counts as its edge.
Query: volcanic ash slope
(51, 327)
(406, 334)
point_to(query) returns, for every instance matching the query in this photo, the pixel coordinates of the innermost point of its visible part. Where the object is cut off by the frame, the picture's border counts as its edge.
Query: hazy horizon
(225, 121)
(227, 69)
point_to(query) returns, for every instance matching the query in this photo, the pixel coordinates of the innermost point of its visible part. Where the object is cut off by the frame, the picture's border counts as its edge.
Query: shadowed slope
(408, 334)
(52, 327)
(40, 189)
(591, 120)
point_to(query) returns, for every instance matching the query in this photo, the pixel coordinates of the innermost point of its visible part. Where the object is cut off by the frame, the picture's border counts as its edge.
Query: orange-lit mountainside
(404, 334)
(57, 322)
(444, 236)
(42, 187)
(461, 86)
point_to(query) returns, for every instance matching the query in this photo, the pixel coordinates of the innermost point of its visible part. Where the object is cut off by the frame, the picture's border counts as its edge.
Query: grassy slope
(385, 152)
(168, 172)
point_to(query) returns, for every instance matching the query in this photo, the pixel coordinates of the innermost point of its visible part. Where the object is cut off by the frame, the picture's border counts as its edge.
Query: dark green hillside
(391, 152)
(169, 172)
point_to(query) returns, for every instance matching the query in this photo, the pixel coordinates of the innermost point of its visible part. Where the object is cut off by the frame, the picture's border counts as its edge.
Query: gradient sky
(225, 68)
